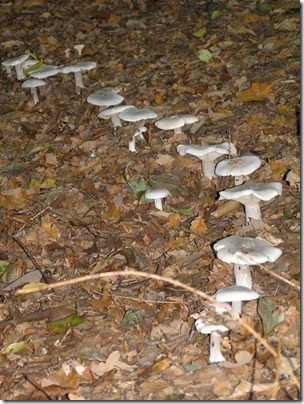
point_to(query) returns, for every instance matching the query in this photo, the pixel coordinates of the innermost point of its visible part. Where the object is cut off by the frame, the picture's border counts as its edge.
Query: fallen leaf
(278, 168)
(49, 228)
(65, 377)
(112, 211)
(257, 92)
(241, 357)
(269, 320)
(113, 362)
(60, 326)
(173, 220)
(198, 225)
(14, 348)
(204, 55)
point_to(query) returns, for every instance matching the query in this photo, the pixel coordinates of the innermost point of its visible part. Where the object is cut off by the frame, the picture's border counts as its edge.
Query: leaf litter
(72, 194)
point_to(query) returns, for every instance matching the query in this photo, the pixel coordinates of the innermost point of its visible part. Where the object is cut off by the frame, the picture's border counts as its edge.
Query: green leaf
(296, 277)
(3, 267)
(199, 33)
(191, 367)
(288, 213)
(269, 320)
(215, 14)
(13, 167)
(62, 324)
(33, 68)
(138, 189)
(186, 210)
(14, 348)
(132, 317)
(204, 55)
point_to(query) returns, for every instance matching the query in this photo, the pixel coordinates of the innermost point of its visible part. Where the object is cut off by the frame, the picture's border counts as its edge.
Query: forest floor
(71, 201)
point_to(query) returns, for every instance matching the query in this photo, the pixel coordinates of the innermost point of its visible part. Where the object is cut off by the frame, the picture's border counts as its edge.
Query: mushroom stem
(158, 203)
(35, 95)
(237, 306)
(252, 212)
(238, 180)
(177, 131)
(19, 72)
(132, 142)
(215, 354)
(116, 122)
(78, 80)
(208, 169)
(242, 275)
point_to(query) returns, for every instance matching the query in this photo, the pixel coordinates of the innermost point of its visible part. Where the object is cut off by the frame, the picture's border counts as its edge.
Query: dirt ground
(72, 204)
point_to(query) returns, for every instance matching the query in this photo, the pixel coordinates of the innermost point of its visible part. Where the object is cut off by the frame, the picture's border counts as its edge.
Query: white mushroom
(32, 84)
(243, 252)
(157, 194)
(137, 134)
(235, 295)
(215, 354)
(17, 64)
(175, 122)
(250, 194)
(207, 155)
(137, 115)
(77, 69)
(112, 113)
(238, 167)
(45, 71)
(104, 99)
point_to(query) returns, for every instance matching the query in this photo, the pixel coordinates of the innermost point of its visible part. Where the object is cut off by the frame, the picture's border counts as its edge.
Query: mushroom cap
(156, 193)
(204, 328)
(209, 153)
(235, 294)
(105, 98)
(107, 113)
(171, 122)
(15, 61)
(246, 250)
(45, 71)
(244, 165)
(135, 114)
(31, 83)
(78, 67)
(29, 62)
(251, 193)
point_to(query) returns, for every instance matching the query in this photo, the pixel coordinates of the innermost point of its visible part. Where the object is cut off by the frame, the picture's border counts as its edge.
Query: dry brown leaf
(49, 228)
(198, 225)
(112, 211)
(219, 113)
(245, 388)
(14, 198)
(226, 208)
(113, 362)
(241, 357)
(257, 92)
(183, 89)
(66, 377)
(221, 386)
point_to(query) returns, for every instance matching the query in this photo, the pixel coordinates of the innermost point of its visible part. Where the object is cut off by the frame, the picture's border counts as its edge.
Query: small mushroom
(250, 194)
(215, 354)
(176, 122)
(17, 64)
(207, 155)
(137, 134)
(32, 84)
(157, 194)
(137, 115)
(77, 69)
(112, 113)
(45, 71)
(243, 252)
(104, 99)
(235, 295)
(238, 167)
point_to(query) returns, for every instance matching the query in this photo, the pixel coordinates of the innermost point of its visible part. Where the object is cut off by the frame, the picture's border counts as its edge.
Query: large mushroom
(208, 154)
(238, 167)
(45, 71)
(112, 113)
(77, 69)
(250, 194)
(176, 122)
(105, 98)
(137, 115)
(215, 354)
(235, 295)
(15, 62)
(244, 252)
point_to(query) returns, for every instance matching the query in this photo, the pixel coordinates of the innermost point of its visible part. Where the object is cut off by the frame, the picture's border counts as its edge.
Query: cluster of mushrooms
(242, 252)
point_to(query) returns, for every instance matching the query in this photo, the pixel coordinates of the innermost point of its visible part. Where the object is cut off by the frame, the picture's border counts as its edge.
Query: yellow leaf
(173, 220)
(257, 92)
(183, 89)
(49, 228)
(198, 225)
(277, 168)
(13, 198)
(112, 211)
